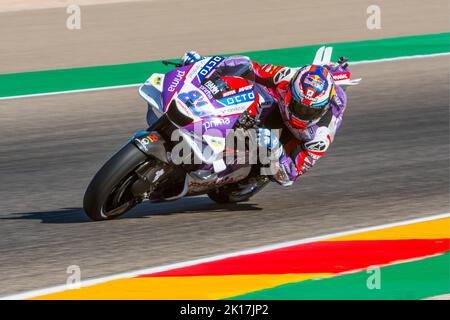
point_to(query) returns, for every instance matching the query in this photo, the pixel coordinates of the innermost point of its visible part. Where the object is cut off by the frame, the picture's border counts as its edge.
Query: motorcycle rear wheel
(109, 195)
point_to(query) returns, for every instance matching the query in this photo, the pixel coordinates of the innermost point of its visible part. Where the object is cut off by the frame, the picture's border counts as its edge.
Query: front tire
(109, 195)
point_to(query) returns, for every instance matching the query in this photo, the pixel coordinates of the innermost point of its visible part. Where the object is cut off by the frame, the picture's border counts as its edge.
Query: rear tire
(108, 196)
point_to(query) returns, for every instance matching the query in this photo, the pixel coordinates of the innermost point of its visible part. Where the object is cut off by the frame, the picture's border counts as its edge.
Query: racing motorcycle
(199, 105)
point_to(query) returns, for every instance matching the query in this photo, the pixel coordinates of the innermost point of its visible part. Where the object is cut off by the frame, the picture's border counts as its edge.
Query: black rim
(120, 199)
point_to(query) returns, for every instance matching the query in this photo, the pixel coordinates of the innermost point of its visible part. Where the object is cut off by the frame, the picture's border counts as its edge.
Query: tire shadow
(144, 210)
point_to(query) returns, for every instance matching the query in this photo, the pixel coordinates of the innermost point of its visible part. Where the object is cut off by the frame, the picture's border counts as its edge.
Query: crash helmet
(309, 95)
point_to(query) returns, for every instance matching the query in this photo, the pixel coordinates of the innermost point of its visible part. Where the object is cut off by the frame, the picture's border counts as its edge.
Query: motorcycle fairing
(188, 80)
(151, 92)
(192, 89)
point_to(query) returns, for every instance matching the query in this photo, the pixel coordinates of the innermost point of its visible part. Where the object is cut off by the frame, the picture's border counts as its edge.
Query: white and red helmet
(309, 96)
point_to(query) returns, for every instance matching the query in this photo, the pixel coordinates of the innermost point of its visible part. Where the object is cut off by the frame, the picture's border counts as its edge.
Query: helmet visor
(303, 112)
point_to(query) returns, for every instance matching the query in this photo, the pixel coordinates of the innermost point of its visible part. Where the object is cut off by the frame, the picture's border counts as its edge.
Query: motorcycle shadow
(144, 210)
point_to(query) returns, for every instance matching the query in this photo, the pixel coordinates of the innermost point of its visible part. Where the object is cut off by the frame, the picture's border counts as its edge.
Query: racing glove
(191, 57)
(287, 171)
(283, 169)
(266, 138)
(340, 65)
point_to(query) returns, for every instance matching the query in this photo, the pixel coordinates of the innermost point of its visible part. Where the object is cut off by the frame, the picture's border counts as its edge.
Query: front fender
(151, 143)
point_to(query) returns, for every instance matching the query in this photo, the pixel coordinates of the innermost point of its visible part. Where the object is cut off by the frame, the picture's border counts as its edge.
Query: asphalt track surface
(161, 29)
(390, 162)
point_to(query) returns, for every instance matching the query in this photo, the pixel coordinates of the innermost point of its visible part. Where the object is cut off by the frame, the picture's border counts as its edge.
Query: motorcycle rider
(311, 107)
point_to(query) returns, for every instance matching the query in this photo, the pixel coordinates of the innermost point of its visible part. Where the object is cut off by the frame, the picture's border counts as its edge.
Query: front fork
(152, 144)
(158, 173)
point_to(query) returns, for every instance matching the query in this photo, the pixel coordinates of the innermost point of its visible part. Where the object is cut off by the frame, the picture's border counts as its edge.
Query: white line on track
(70, 91)
(420, 56)
(131, 274)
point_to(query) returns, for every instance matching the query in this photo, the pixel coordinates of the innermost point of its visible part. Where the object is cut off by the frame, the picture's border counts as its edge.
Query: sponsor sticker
(241, 97)
(212, 63)
(206, 91)
(269, 68)
(152, 137)
(281, 75)
(213, 123)
(319, 145)
(229, 93)
(341, 76)
(315, 81)
(176, 81)
(144, 142)
(157, 80)
(212, 87)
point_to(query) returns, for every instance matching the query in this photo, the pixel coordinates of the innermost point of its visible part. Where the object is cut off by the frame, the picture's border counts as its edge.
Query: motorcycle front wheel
(109, 195)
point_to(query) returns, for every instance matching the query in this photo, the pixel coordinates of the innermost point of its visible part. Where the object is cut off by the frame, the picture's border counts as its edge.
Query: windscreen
(231, 67)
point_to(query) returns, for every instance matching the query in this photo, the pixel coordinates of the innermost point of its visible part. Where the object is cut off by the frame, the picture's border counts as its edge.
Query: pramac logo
(216, 122)
(176, 81)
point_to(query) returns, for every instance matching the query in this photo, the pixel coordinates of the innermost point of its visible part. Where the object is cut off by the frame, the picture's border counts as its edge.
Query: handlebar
(176, 64)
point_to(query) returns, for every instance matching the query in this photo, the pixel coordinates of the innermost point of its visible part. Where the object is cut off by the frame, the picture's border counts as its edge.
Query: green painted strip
(16, 84)
(405, 281)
